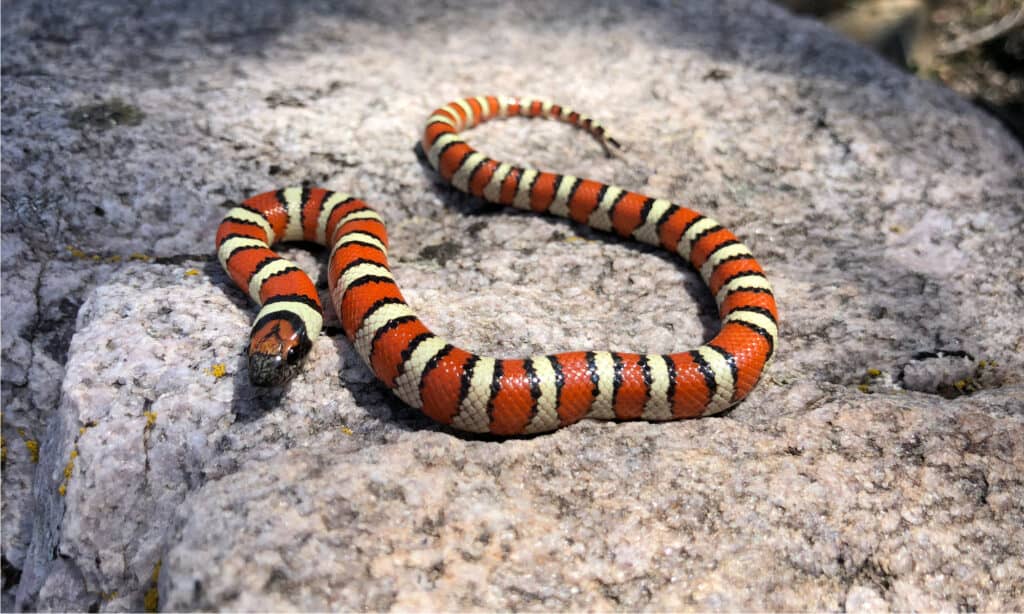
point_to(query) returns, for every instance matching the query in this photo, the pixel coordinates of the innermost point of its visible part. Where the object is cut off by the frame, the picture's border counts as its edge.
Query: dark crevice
(11, 574)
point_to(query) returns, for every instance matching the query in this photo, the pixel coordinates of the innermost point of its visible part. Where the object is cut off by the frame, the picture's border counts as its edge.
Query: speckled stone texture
(877, 466)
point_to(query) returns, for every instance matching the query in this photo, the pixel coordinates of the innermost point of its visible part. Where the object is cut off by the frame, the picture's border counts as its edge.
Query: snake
(457, 387)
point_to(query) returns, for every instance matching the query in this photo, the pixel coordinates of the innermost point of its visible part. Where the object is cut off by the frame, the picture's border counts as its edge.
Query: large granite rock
(876, 466)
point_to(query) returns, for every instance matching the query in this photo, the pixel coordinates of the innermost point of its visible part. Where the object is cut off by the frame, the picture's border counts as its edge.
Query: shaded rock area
(877, 465)
(976, 47)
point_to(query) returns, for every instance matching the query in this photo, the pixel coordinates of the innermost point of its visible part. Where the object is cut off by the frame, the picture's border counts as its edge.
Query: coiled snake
(480, 393)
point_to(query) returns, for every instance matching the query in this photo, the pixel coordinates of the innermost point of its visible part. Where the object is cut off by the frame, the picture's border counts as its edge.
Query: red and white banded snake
(478, 393)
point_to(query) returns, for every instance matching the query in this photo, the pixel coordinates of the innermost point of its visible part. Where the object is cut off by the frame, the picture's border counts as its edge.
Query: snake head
(277, 347)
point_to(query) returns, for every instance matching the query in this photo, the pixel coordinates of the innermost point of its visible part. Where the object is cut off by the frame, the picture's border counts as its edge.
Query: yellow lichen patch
(874, 372)
(346, 430)
(69, 468)
(85, 427)
(150, 418)
(140, 257)
(108, 596)
(152, 599)
(191, 272)
(863, 388)
(33, 449)
(83, 255)
(218, 370)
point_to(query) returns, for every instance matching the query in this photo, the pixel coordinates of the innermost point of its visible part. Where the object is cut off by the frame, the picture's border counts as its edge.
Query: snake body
(479, 393)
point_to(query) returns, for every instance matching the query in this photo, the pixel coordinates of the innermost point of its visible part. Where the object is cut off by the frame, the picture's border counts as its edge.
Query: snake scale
(479, 393)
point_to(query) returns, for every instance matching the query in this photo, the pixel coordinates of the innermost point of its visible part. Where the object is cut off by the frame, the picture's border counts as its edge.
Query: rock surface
(877, 466)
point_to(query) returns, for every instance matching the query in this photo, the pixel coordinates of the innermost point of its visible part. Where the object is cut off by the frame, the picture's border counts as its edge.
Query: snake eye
(293, 356)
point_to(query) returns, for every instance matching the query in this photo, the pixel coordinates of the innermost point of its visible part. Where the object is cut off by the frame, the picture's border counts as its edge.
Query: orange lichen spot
(218, 370)
(33, 449)
(191, 272)
(150, 418)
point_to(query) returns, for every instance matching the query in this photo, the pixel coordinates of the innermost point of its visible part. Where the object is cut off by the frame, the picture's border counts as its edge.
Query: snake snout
(270, 369)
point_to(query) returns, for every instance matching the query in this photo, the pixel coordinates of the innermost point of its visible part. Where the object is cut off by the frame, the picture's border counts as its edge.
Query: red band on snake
(479, 393)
